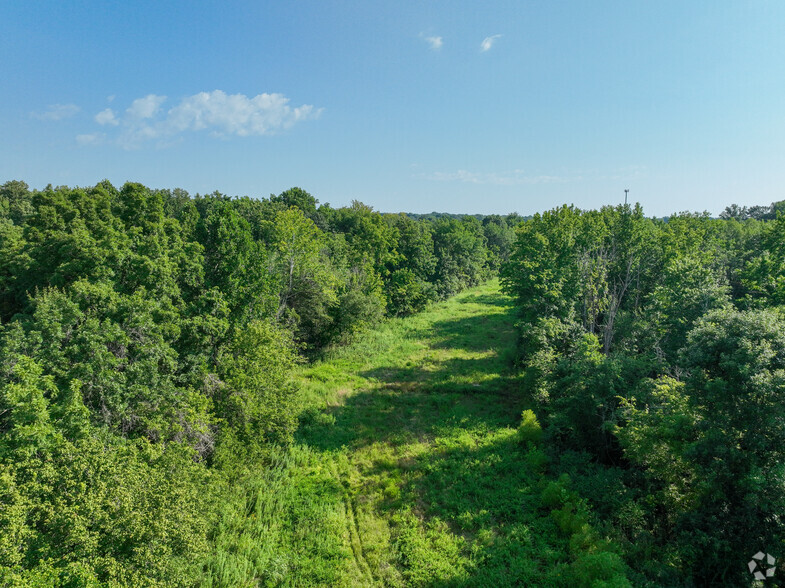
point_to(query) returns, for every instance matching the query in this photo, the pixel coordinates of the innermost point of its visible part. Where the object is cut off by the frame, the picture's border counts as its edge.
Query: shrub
(529, 431)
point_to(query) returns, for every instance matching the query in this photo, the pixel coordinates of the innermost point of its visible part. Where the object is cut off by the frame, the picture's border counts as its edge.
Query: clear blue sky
(487, 107)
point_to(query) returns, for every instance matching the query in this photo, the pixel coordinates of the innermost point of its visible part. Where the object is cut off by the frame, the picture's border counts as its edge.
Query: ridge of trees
(147, 340)
(655, 353)
(148, 337)
(770, 212)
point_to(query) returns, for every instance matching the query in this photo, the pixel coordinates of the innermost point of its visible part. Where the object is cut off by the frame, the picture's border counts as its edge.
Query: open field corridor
(408, 469)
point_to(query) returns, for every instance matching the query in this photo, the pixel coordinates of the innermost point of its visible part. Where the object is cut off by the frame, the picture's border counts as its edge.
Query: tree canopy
(147, 344)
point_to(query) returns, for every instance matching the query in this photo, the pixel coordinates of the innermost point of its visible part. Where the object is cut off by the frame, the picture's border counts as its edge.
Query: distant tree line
(654, 351)
(771, 212)
(147, 340)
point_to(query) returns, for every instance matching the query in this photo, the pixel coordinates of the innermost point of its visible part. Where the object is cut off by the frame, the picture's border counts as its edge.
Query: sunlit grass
(408, 469)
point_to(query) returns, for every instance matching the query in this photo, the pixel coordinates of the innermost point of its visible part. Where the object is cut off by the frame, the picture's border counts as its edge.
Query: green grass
(408, 470)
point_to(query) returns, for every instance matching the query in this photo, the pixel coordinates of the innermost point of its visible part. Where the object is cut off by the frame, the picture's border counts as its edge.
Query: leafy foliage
(655, 348)
(147, 345)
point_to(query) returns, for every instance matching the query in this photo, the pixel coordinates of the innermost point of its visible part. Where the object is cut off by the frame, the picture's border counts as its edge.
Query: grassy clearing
(408, 471)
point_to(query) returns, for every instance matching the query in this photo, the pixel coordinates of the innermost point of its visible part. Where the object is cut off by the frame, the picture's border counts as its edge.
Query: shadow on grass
(493, 332)
(483, 494)
(412, 400)
(490, 496)
(472, 496)
(434, 376)
(475, 486)
(401, 415)
(464, 508)
(488, 300)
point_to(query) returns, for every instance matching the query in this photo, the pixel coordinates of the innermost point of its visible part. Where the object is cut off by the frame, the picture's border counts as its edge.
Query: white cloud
(519, 177)
(57, 112)
(90, 139)
(107, 117)
(146, 107)
(514, 178)
(236, 114)
(488, 42)
(216, 112)
(435, 42)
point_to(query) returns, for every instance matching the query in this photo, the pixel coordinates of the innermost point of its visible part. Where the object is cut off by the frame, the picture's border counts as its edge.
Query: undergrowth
(409, 469)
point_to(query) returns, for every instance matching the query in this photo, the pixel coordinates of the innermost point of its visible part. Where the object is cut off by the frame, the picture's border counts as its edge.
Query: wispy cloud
(519, 177)
(56, 112)
(90, 139)
(220, 114)
(146, 107)
(513, 178)
(435, 42)
(488, 42)
(237, 114)
(107, 117)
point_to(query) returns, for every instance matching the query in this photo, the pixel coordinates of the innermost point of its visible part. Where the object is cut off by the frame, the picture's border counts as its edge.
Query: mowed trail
(407, 469)
(414, 420)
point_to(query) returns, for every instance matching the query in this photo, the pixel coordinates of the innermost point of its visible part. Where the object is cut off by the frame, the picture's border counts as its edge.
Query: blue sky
(487, 107)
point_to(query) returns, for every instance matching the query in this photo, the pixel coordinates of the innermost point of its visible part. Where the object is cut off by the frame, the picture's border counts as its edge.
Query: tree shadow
(409, 401)
(474, 476)
(473, 333)
(405, 411)
(488, 300)
(489, 495)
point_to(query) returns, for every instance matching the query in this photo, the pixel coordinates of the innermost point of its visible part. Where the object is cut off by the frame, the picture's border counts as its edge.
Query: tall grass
(409, 470)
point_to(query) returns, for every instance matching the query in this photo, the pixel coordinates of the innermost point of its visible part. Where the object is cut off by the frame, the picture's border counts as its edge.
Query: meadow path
(407, 469)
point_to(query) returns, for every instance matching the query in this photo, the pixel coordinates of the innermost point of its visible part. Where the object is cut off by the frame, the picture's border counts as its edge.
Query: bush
(529, 431)
(601, 569)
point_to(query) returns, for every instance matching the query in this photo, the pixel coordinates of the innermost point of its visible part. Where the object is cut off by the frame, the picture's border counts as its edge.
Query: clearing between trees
(410, 470)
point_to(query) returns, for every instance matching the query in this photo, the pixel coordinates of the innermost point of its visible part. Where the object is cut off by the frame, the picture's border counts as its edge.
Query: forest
(147, 345)
(654, 354)
(171, 363)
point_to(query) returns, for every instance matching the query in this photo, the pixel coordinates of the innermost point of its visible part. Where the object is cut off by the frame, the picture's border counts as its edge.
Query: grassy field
(408, 471)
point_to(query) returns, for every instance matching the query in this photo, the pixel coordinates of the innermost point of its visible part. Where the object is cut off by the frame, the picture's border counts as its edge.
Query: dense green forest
(156, 403)
(147, 345)
(654, 353)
